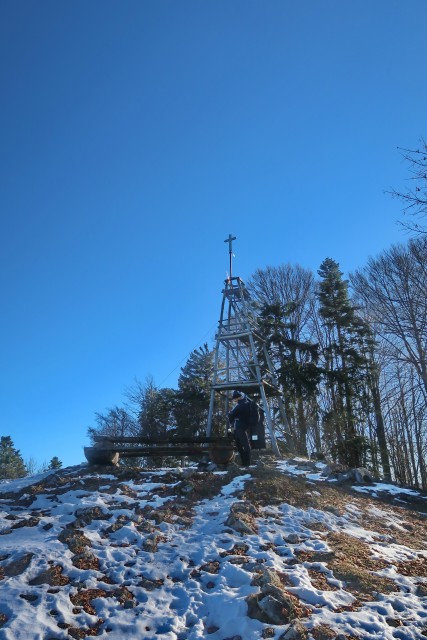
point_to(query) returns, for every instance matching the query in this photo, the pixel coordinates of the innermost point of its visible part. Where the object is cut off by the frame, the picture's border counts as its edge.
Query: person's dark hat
(237, 394)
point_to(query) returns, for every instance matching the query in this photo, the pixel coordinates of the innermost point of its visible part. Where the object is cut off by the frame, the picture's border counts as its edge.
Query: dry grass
(84, 599)
(320, 581)
(351, 562)
(415, 567)
(272, 486)
(350, 559)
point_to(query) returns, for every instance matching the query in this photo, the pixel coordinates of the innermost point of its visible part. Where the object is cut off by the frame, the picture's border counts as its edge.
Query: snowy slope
(274, 552)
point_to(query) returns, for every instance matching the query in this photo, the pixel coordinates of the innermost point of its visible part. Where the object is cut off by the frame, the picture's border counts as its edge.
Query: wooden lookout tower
(237, 361)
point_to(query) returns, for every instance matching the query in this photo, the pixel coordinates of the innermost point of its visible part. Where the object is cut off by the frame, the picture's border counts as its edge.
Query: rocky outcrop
(273, 604)
(242, 518)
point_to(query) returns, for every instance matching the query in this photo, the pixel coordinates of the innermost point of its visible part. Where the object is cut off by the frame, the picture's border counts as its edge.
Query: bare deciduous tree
(393, 288)
(415, 198)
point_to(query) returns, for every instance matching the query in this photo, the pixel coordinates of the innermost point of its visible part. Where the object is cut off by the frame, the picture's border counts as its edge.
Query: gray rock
(84, 558)
(332, 470)
(267, 578)
(151, 543)
(239, 525)
(74, 539)
(244, 507)
(272, 609)
(363, 476)
(293, 538)
(188, 472)
(359, 475)
(16, 567)
(273, 590)
(185, 488)
(51, 576)
(295, 631)
(305, 465)
(85, 516)
(52, 480)
(183, 521)
(29, 597)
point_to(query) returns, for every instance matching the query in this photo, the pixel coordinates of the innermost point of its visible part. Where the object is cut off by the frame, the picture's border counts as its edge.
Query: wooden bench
(108, 450)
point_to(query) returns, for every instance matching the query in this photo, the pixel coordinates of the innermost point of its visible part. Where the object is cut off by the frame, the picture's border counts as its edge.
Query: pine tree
(11, 462)
(55, 463)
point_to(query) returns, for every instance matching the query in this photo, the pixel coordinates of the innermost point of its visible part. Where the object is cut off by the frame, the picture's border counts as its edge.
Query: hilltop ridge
(273, 551)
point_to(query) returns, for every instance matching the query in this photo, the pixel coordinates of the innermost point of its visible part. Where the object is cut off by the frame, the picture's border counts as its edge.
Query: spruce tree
(345, 362)
(155, 410)
(55, 463)
(191, 404)
(296, 367)
(11, 462)
(285, 296)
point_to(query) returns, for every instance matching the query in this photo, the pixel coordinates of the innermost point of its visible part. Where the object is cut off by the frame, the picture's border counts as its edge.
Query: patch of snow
(15, 486)
(186, 586)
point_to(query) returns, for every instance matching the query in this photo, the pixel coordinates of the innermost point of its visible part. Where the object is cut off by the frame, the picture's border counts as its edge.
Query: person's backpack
(253, 413)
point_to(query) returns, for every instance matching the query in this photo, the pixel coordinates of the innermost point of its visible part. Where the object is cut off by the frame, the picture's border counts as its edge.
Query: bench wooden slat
(159, 451)
(164, 441)
(106, 447)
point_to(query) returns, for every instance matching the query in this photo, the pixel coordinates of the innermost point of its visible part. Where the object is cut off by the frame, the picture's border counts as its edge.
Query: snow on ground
(180, 554)
(14, 486)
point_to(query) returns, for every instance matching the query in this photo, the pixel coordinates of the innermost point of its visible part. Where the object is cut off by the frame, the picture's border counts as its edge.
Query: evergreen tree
(55, 463)
(296, 367)
(11, 463)
(155, 417)
(286, 299)
(345, 363)
(191, 404)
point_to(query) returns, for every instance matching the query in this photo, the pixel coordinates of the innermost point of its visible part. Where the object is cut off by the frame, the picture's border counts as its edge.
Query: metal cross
(230, 249)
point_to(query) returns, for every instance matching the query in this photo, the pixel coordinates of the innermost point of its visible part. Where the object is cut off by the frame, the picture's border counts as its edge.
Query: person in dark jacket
(239, 418)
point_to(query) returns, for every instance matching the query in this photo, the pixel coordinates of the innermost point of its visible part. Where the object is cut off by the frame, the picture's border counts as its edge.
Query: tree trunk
(380, 429)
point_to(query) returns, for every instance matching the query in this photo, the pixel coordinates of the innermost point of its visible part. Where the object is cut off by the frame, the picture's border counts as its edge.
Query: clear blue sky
(136, 135)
